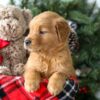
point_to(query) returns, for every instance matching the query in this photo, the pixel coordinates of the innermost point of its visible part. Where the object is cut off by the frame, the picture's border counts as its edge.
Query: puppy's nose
(27, 42)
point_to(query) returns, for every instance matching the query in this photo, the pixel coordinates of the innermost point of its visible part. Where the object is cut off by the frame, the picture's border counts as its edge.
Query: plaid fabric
(11, 88)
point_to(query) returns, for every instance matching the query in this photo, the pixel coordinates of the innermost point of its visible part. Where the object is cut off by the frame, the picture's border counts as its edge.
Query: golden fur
(49, 53)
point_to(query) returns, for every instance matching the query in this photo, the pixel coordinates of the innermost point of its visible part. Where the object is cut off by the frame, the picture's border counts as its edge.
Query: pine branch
(92, 8)
(79, 17)
(24, 3)
(12, 2)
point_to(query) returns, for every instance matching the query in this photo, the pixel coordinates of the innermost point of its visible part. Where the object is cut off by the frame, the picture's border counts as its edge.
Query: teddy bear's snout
(27, 42)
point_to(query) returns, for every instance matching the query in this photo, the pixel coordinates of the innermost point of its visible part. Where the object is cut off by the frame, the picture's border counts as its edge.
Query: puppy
(50, 56)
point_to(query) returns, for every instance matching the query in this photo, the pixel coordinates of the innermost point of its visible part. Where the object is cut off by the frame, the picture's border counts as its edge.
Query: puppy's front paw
(55, 88)
(31, 85)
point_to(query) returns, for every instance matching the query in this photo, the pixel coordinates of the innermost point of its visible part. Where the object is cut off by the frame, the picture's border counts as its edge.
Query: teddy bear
(13, 24)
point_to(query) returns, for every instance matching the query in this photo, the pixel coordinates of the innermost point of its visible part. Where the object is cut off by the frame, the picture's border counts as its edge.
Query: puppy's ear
(62, 29)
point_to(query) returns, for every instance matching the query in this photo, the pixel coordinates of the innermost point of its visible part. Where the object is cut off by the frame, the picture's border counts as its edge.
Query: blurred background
(85, 16)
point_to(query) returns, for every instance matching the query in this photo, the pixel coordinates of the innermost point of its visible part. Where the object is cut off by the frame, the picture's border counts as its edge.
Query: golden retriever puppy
(50, 56)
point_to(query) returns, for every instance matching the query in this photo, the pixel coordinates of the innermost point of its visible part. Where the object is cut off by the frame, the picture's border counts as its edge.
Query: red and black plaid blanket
(11, 88)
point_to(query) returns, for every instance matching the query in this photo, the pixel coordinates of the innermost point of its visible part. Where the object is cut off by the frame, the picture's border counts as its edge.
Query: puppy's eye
(26, 33)
(43, 32)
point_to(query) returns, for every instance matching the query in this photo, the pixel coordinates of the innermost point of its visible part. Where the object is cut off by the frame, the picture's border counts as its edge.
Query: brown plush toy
(13, 24)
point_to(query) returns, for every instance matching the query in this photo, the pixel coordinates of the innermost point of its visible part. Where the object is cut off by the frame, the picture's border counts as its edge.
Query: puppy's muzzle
(27, 42)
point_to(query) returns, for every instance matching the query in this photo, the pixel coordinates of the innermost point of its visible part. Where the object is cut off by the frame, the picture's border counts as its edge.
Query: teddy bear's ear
(27, 15)
(1, 7)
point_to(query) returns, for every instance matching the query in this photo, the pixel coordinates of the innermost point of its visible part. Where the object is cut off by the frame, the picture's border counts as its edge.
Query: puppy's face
(47, 31)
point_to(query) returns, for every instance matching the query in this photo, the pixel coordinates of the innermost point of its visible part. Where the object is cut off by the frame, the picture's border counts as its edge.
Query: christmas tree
(87, 58)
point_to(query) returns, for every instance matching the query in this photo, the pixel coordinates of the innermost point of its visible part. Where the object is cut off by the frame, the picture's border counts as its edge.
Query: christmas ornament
(97, 94)
(84, 90)
(78, 72)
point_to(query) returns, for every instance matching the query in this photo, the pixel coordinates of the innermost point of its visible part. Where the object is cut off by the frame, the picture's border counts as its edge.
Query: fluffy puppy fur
(50, 56)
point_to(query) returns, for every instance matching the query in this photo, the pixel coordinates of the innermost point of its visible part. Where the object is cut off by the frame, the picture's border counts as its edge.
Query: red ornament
(84, 90)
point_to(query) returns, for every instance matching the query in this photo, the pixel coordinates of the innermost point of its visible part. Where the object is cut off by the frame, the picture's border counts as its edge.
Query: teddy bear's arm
(5, 70)
(18, 69)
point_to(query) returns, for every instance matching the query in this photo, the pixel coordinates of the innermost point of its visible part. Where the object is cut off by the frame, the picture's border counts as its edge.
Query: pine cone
(73, 42)
(73, 38)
